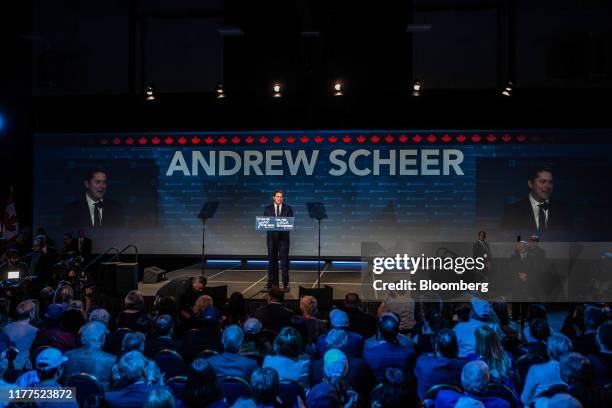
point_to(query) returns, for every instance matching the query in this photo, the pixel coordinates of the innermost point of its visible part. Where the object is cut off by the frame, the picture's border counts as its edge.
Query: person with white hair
(90, 358)
(475, 378)
(100, 315)
(335, 369)
(132, 369)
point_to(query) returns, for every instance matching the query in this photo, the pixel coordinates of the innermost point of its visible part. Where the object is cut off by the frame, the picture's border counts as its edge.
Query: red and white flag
(10, 226)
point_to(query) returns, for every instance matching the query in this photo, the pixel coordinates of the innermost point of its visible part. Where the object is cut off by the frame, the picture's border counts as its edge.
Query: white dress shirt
(277, 209)
(536, 211)
(92, 207)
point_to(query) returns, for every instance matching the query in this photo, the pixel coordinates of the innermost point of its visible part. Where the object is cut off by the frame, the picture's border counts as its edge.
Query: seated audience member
(135, 341)
(63, 294)
(360, 322)
(395, 392)
(541, 377)
(442, 367)
(539, 333)
(389, 353)
(202, 303)
(207, 337)
(22, 333)
(253, 342)
(427, 330)
(401, 304)
(315, 327)
(49, 368)
(339, 320)
(287, 360)
(335, 369)
(265, 384)
(274, 316)
(132, 370)
(577, 373)
(235, 310)
(360, 376)
(230, 362)
(90, 358)
(54, 334)
(100, 315)
(501, 365)
(160, 398)
(133, 310)
(162, 337)
(510, 330)
(4, 384)
(475, 381)
(602, 360)
(586, 343)
(465, 331)
(187, 301)
(534, 312)
(375, 340)
(202, 388)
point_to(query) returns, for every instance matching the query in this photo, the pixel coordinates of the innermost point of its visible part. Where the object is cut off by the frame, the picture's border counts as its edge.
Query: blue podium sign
(274, 223)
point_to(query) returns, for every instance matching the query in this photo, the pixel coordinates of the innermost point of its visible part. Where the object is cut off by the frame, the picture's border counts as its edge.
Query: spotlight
(149, 93)
(507, 91)
(417, 86)
(1, 123)
(337, 89)
(219, 90)
(277, 91)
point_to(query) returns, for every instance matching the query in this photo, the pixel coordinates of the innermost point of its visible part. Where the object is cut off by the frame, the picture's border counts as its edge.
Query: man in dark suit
(278, 242)
(230, 363)
(83, 244)
(274, 316)
(42, 259)
(537, 212)
(389, 353)
(481, 248)
(93, 209)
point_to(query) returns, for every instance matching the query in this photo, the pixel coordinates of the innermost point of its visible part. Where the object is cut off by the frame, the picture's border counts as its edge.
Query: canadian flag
(10, 226)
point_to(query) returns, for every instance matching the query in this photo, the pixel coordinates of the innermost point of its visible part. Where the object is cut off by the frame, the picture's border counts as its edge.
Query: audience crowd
(192, 352)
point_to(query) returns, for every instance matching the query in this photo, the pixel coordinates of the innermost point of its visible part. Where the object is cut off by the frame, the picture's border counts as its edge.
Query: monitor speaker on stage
(324, 296)
(153, 274)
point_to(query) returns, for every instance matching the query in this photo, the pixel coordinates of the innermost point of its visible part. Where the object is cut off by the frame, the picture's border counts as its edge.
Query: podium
(275, 225)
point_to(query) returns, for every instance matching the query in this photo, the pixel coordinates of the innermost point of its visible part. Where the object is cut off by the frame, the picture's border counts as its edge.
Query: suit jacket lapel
(86, 215)
(533, 223)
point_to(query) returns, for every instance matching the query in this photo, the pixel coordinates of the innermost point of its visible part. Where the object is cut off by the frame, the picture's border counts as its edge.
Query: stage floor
(250, 278)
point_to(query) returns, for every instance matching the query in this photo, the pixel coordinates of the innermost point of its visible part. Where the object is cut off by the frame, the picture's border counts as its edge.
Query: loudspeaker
(117, 278)
(126, 277)
(324, 296)
(153, 274)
